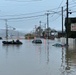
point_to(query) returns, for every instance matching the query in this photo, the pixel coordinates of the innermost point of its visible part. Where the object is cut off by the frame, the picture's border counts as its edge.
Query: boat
(17, 42)
(0, 38)
(37, 41)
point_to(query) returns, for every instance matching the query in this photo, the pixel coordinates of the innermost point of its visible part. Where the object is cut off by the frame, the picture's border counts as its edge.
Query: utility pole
(67, 67)
(62, 21)
(40, 29)
(48, 23)
(6, 29)
(67, 24)
(47, 20)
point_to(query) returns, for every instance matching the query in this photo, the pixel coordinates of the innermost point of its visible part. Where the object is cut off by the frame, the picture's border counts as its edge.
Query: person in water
(13, 41)
(17, 40)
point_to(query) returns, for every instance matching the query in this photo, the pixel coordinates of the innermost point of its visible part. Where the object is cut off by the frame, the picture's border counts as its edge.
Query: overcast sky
(24, 15)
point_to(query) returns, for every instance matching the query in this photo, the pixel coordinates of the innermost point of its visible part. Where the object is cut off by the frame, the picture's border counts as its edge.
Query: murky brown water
(37, 59)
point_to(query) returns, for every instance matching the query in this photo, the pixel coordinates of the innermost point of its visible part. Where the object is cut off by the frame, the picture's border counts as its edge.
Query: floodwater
(37, 59)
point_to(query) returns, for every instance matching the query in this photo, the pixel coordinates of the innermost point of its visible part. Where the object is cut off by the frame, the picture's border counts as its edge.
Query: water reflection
(47, 51)
(37, 59)
(43, 51)
(70, 61)
(8, 48)
(62, 58)
(11, 46)
(67, 58)
(38, 49)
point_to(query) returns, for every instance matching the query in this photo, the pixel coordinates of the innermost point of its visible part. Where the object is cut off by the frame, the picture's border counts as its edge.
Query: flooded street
(37, 59)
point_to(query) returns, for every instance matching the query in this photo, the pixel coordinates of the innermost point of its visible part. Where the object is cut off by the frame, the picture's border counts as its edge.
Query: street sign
(73, 27)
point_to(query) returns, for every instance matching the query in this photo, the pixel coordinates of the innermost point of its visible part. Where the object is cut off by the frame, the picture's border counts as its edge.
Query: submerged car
(59, 45)
(37, 41)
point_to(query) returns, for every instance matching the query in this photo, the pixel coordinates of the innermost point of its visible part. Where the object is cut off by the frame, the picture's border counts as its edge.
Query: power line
(28, 13)
(32, 13)
(72, 6)
(60, 4)
(24, 0)
(73, 11)
(55, 18)
(73, 1)
(58, 8)
(22, 17)
(51, 12)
